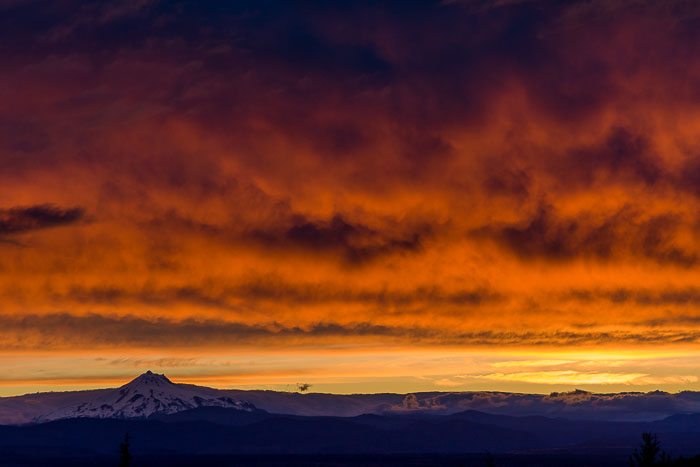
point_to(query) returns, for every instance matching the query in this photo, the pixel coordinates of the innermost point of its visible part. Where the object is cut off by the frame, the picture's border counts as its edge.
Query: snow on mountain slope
(152, 393)
(18, 410)
(148, 394)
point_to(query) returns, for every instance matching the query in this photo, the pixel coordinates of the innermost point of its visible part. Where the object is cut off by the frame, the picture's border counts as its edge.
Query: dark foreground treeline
(330, 460)
(216, 436)
(650, 454)
(347, 460)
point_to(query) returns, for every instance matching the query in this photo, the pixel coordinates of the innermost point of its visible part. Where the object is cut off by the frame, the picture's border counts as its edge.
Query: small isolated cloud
(410, 402)
(23, 219)
(418, 402)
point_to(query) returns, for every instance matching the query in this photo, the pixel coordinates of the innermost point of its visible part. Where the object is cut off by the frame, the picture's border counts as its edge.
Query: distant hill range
(166, 418)
(151, 393)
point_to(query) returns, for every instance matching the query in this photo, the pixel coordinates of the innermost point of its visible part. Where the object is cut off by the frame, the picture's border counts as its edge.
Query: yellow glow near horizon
(367, 371)
(565, 377)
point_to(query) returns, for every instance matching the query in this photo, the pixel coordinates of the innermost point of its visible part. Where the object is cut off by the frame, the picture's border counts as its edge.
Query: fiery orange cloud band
(497, 175)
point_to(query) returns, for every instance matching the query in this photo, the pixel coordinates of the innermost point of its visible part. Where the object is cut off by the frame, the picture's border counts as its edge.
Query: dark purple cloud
(22, 219)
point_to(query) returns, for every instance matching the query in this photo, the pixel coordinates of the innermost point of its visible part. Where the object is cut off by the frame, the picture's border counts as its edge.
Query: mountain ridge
(147, 394)
(577, 404)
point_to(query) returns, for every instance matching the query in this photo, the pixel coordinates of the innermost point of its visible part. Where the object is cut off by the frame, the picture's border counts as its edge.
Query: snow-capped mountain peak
(148, 379)
(146, 395)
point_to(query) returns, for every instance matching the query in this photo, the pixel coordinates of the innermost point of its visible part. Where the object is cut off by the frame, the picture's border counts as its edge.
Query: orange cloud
(510, 174)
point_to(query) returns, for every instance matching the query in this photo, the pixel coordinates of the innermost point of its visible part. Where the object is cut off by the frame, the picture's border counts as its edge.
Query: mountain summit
(149, 379)
(148, 394)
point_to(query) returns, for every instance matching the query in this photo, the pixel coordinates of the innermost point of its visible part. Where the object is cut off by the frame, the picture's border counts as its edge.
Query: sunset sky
(364, 196)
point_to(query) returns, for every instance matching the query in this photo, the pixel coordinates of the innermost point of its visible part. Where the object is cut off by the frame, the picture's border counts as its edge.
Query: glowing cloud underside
(430, 201)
